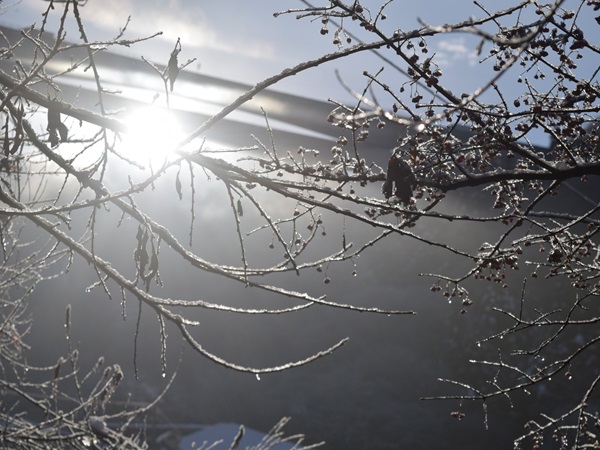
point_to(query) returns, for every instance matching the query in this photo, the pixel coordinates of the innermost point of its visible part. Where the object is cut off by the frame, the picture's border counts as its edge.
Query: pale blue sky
(242, 41)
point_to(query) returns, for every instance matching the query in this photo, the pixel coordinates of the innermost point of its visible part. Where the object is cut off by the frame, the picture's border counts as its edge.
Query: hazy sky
(240, 40)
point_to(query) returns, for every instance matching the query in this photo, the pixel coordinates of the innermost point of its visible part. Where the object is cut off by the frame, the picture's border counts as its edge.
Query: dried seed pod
(55, 125)
(400, 180)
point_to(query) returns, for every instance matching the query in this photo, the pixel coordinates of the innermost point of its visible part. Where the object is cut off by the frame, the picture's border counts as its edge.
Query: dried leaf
(400, 174)
(19, 134)
(178, 186)
(55, 126)
(173, 65)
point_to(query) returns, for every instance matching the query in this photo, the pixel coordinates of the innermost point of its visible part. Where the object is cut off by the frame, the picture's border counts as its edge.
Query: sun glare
(151, 134)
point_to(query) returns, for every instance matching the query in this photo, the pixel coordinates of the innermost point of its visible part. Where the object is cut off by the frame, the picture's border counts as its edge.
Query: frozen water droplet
(479, 344)
(258, 377)
(164, 374)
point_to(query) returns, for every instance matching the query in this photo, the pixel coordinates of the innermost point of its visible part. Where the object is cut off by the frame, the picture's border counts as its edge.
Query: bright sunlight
(152, 133)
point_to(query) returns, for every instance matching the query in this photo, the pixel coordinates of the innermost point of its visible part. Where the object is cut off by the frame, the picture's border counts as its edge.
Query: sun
(152, 132)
